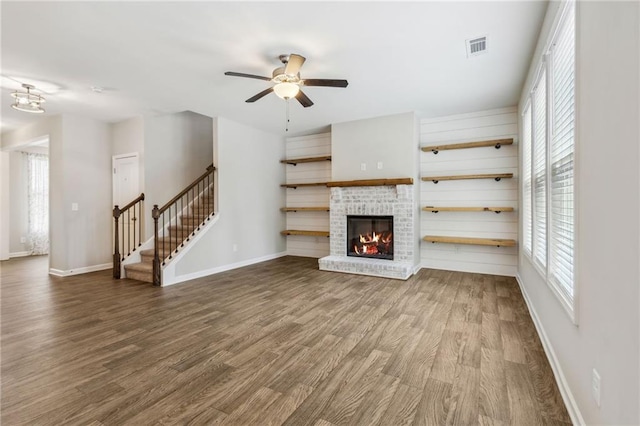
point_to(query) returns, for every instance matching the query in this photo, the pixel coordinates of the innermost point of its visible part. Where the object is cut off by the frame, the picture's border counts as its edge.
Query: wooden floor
(276, 343)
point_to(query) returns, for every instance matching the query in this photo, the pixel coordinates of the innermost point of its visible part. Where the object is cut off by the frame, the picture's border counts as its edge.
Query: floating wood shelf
(305, 209)
(295, 161)
(371, 182)
(497, 143)
(467, 209)
(307, 233)
(295, 185)
(473, 241)
(495, 176)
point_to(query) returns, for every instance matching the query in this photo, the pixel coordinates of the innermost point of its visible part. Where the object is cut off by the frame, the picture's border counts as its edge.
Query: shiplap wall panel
(315, 196)
(484, 125)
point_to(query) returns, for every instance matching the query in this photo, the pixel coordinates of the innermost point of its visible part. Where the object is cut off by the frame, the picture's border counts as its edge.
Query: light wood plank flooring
(276, 343)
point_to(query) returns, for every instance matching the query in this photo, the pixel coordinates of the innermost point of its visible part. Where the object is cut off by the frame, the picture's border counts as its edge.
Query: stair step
(193, 219)
(181, 230)
(147, 255)
(139, 271)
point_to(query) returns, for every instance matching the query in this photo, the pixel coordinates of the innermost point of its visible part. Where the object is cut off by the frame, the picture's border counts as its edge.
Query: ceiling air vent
(476, 46)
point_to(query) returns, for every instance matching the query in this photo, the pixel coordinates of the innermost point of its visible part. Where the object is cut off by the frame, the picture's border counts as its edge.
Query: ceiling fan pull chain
(287, 123)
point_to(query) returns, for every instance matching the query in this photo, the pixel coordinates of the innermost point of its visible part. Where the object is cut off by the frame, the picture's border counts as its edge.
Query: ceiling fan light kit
(27, 101)
(286, 90)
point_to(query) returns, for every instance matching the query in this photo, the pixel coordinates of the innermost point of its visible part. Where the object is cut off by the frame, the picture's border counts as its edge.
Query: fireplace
(370, 236)
(375, 203)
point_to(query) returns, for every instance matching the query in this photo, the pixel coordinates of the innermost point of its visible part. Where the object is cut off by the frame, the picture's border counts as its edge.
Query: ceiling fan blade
(325, 82)
(239, 74)
(304, 99)
(260, 95)
(294, 64)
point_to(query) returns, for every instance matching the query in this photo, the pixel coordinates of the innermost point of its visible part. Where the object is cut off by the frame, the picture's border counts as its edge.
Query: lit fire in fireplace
(372, 244)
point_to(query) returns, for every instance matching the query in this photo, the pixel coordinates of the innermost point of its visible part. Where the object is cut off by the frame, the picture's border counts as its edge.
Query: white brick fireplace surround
(394, 200)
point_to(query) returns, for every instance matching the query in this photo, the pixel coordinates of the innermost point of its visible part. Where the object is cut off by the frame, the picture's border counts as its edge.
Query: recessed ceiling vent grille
(476, 46)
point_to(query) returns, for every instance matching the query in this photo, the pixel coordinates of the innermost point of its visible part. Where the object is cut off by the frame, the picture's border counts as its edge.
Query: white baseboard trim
(77, 271)
(224, 268)
(19, 254)
(561, 381)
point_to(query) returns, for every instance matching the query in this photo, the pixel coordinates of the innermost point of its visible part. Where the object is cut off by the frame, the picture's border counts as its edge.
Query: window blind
(526, 177)
(562, 159)
(540, 170)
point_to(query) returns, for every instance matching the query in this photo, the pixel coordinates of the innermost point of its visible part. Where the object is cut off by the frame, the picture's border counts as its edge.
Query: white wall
(390, 140)
(249, 198)
(607, 186)
(177, 149)
(4, 202)
(483, 125)
(300, 147)
(18, 204)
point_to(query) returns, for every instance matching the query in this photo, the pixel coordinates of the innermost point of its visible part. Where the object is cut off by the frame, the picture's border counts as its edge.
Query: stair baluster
(119, 232)
(198, 198)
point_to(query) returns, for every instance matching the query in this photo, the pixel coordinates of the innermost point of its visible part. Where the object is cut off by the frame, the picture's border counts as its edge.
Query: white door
(125, 189)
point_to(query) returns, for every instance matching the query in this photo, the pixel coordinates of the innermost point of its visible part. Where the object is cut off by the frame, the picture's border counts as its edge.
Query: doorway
(126, 187)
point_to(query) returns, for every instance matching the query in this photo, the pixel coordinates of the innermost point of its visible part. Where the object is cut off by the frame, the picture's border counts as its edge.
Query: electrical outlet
(379, 165)
(74, 207)
(235, 247)
(595, 386)
(363, 166)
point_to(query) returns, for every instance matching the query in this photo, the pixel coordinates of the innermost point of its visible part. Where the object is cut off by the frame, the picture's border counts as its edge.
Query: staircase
(175, 223)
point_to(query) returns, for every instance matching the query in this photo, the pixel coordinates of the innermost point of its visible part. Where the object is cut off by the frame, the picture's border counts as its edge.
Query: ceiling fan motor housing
(278, 76)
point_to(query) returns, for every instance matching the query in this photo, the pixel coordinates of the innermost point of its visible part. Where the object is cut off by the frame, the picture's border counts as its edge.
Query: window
(548, 140)
(562, 145)
(526, 177)
(38, 198)
(540, 171)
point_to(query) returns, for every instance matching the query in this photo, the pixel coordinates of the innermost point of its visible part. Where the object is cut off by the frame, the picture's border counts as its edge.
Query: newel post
(116, 251)
(155, 213)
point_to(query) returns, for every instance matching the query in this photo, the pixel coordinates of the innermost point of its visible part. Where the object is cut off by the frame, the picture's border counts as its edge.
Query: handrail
(210, 169)
(197, 198)
(128, 206)
(117, 230)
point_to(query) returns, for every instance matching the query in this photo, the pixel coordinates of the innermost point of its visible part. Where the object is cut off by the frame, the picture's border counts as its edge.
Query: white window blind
(540, 171)
(562, 159)
(526, 177)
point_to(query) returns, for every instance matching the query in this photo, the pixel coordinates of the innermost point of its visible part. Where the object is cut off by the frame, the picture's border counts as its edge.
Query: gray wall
(391, 140)
(79, 172)
(177, 149)
(249, 200)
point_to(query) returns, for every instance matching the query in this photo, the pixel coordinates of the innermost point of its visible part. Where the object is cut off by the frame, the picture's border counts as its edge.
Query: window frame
(547, 69)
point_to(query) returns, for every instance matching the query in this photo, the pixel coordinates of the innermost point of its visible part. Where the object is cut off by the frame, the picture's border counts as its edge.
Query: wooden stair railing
(196, 198)
(133, 208)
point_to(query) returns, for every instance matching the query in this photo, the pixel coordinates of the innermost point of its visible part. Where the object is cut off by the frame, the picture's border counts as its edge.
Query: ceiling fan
(288, 82)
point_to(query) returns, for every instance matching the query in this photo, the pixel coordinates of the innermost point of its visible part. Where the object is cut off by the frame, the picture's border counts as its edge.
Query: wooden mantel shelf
(305, 209)
(497, 143)
(295, 161)
(467, 209)
(498, 242)
(295, 185)
(495, 176)
(371, 182)
(307, 233)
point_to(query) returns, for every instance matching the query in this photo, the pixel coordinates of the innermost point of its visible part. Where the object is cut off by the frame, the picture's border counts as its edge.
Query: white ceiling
(154, 58)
